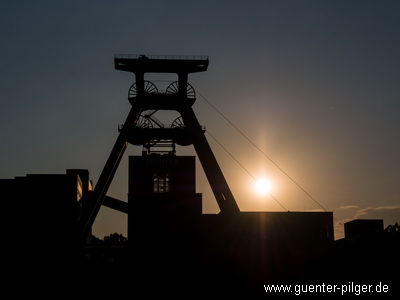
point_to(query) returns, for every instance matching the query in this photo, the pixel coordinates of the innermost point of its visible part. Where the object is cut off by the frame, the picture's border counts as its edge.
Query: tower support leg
(215, 177)
(99, 193)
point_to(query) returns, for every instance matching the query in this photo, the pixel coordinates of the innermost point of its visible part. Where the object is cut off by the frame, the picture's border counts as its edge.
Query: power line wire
(251, 175)
(262, 152)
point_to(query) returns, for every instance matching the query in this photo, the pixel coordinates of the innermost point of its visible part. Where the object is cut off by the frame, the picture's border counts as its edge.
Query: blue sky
(314, 84)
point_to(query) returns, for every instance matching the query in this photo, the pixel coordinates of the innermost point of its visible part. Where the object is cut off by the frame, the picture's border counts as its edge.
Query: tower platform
(160, 63)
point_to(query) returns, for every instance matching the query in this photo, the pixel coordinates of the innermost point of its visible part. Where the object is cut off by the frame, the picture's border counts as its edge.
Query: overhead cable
(251, 175)
(262, 152)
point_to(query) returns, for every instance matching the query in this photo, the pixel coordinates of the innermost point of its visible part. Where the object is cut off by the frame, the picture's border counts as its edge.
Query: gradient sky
(314, 84)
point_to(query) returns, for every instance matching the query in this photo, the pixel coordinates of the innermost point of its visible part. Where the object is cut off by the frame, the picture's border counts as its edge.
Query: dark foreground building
(41, 213)
(173, 248)
(174, 244)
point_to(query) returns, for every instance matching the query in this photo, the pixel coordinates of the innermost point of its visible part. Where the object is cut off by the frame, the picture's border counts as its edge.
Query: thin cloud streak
(378, 212)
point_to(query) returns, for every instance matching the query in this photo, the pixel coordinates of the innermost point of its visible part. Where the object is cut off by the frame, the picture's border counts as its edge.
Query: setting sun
(262, 186)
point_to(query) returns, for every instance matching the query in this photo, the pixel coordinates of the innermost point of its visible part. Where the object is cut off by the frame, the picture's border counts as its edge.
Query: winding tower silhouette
(139, 127)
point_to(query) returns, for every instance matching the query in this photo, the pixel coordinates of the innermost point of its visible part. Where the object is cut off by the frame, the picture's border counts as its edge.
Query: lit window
(161, 183)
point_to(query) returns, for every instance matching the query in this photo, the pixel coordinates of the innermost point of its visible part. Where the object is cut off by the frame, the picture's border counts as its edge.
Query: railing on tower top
(156, 56)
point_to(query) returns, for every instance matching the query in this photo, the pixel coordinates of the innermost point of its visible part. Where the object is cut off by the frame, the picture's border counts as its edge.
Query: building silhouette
(359, 227)
(167, 230)
(41, 216)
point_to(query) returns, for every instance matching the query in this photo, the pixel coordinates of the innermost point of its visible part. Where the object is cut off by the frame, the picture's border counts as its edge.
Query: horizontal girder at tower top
(160, 63)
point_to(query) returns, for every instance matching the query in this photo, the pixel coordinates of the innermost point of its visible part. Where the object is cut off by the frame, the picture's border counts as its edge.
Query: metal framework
(138, 128)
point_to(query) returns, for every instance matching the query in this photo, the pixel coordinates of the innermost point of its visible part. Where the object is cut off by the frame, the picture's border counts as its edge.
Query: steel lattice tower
(185, 130)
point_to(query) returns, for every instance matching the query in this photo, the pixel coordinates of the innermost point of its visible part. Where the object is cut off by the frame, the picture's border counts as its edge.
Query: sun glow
(262, 186)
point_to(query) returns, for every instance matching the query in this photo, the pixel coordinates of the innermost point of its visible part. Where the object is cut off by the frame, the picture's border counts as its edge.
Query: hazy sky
(314, 84)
